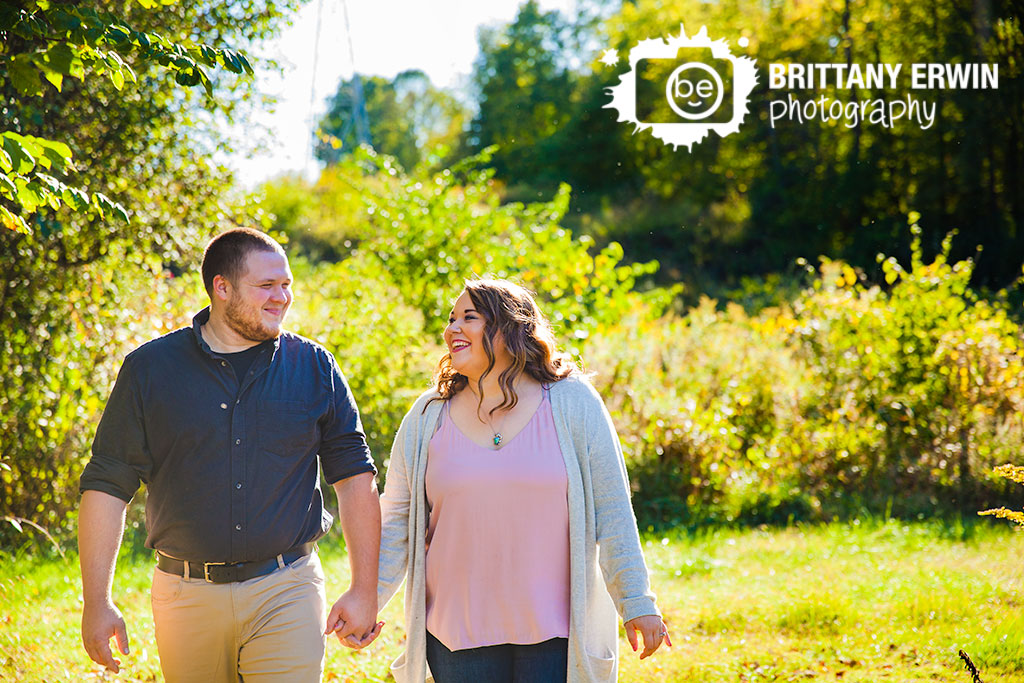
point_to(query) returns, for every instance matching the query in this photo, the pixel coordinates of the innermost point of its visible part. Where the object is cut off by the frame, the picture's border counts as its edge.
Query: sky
(388, 37)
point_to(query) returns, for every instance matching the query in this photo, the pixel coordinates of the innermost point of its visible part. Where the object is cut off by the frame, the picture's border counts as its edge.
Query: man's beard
(253, 328)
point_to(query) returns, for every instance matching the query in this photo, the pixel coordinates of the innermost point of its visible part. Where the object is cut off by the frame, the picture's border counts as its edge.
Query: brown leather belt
(230, 572)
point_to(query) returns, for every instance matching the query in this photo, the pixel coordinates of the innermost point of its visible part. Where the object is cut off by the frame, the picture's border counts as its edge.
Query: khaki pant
(267, 629)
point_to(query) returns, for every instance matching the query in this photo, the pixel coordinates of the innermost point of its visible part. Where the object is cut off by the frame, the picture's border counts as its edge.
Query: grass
(861, 602)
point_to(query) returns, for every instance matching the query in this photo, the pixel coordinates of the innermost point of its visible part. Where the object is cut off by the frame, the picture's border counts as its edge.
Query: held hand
(352, 619)
(99, 624)
(653, 630)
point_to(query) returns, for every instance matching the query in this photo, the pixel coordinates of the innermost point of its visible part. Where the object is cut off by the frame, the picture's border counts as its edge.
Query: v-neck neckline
(505, 442)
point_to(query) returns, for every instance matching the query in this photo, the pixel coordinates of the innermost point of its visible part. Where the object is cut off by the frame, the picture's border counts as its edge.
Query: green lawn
(854, 602)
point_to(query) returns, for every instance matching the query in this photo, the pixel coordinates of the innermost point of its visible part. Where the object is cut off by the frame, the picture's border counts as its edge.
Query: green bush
(891, 397)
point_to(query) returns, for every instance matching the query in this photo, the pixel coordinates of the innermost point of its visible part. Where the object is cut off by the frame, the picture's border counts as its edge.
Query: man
(224, 421)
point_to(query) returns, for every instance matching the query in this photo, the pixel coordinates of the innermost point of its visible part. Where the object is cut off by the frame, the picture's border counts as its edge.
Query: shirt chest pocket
(287, 429)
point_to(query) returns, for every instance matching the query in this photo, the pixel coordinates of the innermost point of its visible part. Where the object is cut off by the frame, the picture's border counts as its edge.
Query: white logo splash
(694, 91)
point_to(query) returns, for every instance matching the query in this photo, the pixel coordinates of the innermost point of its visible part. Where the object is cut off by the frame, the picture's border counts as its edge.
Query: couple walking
(506, 508)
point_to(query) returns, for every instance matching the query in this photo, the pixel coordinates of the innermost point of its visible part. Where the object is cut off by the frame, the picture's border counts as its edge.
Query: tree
(408, 119)
(80, 287)
(523, 84)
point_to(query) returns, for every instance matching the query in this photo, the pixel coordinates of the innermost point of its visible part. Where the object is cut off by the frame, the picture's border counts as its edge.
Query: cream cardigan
(602, 533)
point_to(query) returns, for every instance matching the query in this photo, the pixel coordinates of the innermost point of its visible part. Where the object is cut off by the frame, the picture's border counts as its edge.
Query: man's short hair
(226, 253)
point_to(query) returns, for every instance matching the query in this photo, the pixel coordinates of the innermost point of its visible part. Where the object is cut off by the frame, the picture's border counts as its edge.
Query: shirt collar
(203, 317)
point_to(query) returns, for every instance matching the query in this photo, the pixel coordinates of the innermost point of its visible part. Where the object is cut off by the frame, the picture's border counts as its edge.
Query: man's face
(261, 297)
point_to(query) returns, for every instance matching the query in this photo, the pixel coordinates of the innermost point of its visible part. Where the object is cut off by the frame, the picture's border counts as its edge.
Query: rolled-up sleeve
(120, 455)
(343, 449)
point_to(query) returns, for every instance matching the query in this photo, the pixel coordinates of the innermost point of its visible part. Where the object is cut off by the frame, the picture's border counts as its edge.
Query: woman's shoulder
(576, 389)
(423, 401)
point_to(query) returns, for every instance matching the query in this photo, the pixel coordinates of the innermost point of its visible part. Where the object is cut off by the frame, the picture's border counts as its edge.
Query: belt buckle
(206, 569)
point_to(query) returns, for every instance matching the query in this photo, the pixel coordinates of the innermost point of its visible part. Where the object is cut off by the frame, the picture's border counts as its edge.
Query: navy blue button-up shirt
(231, 463)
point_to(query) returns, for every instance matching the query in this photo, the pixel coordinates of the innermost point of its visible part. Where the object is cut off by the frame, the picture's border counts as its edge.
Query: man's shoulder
(172, 342)
(297, 344)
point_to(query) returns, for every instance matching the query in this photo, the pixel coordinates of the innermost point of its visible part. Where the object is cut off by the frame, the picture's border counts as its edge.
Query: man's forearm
(359, 511)
(100, 527)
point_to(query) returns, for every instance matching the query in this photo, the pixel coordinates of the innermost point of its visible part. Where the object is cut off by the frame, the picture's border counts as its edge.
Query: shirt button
(224, 363)
(238, 441)
(238, 485)
(224, 406)
(238, 527)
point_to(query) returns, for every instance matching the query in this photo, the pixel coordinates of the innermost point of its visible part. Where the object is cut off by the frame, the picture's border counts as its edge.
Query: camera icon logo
(683, 88)
(689, 96)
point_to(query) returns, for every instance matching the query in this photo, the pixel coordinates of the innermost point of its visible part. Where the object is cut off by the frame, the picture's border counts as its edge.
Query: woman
(505, 492)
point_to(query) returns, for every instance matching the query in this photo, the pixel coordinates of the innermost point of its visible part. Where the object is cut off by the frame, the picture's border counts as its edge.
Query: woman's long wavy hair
(509, 312)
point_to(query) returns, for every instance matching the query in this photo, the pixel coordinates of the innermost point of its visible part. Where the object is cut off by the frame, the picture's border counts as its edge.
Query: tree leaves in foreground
(46, 42)
(118, 133)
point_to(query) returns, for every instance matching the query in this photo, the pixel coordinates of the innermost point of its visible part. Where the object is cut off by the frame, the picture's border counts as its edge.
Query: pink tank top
(497, 537)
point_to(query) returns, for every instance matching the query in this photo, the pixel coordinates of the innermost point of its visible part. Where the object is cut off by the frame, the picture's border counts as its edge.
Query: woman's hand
(653, 630)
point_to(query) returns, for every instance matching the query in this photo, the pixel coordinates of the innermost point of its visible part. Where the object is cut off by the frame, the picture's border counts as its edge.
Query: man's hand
(100, 526)
(352, 619)
(100, 623)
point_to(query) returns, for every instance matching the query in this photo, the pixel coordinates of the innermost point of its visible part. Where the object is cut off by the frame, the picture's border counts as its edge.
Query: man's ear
(221, 288)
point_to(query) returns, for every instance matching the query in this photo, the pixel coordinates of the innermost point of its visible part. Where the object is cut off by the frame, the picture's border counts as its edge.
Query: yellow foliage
(1014, 473)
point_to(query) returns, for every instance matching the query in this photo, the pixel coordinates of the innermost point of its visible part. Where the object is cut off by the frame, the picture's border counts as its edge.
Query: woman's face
(465, 339)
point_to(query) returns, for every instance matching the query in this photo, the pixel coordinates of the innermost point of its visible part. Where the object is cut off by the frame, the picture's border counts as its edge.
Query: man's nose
(279, 294)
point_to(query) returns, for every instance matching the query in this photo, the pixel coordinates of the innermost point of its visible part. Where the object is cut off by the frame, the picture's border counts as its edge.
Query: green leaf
(245, 63)
(116, 77)
(12, 222)
(60, 58)
(205, 80)
(7, 186)
(22, 160)
(75, 198)
(58, 147)
(24, 75)
(102, 204)
(30, 195)
(118, 34)
(232, 61)
(188, 77)
(6, 165)
(64, 21)
(55, 78)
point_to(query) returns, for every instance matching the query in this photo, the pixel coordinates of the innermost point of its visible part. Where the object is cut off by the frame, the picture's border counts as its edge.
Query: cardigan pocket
(399, 666)
(603, 669)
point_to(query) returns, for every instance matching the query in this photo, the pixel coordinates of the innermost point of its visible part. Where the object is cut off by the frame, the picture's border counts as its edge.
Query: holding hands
(351, 619)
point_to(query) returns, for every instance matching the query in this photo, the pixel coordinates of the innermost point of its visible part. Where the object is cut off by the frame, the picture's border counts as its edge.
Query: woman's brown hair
(510, 312)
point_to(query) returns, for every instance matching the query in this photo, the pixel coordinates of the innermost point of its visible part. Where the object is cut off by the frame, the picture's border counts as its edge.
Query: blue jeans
(545, 662)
